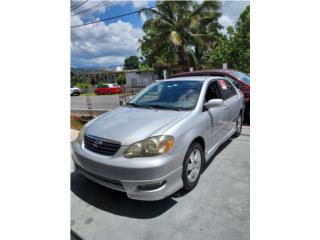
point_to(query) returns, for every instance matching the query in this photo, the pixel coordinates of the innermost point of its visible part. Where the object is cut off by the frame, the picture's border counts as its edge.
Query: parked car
(239, 79)
(108, 89)
(75, 91)
(159, 142)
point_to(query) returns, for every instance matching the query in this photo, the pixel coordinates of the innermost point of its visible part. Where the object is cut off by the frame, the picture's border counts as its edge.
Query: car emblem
(97, 143)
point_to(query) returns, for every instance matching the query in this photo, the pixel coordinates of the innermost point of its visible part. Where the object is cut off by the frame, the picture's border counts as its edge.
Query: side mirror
(216, 102)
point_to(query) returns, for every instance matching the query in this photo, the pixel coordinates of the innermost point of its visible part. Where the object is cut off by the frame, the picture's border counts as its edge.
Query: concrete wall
(138, 79)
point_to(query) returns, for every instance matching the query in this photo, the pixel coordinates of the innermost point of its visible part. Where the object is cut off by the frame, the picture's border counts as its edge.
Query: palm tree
(182, 29)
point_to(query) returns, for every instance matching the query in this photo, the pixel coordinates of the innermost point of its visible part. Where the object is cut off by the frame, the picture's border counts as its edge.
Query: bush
(121, 80)
(83, 86)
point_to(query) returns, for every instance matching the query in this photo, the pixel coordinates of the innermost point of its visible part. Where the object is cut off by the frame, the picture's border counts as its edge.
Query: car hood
(128, 124)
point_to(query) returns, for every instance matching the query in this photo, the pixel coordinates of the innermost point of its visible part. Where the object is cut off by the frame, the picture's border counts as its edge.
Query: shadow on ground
(118, 203)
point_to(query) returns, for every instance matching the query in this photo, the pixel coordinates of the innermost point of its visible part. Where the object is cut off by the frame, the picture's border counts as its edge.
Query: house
(137, 78)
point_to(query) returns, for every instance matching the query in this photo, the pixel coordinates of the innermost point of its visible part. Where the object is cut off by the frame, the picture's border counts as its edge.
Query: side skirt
(210, 152)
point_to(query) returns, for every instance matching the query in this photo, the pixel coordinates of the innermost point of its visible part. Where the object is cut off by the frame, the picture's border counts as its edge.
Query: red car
(109, 88)
(239, 79)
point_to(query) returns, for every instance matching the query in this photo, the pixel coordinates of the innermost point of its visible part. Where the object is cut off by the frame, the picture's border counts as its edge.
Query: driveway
(218, 208)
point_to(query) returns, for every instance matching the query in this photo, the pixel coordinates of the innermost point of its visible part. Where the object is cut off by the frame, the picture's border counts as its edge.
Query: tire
(191, 180)
(238, 125)
(247, 115)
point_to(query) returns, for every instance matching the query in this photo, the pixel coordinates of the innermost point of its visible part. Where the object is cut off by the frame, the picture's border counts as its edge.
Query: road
(218, 208)
(98, 102)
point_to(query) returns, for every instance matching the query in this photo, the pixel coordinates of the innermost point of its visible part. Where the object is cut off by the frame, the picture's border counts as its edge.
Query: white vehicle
(74, 91)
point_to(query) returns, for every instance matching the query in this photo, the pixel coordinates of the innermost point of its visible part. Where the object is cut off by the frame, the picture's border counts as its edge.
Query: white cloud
(231, 12)
(140, 4)
(96, 7)
(101, 44)
(225, 21)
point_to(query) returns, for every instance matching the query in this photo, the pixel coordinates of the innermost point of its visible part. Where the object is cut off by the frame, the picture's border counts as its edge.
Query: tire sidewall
(187, 185)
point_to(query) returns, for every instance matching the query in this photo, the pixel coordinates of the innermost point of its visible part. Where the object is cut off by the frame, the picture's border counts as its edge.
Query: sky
(107, 44)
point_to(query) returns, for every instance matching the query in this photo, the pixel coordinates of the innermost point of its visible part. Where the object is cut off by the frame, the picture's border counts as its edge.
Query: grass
(88, 94)
(76, 124)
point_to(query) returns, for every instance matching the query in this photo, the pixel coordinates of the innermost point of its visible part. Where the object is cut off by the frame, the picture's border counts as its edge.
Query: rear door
(231, 101)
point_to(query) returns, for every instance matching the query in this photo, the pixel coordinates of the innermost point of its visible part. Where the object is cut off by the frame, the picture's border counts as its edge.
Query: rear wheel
(238, 125)
(192, 166)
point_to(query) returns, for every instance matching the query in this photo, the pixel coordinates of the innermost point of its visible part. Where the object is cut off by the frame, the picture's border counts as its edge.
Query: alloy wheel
(194, 165)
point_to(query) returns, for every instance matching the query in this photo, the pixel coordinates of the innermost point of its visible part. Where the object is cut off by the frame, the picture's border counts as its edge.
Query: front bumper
(146, 179)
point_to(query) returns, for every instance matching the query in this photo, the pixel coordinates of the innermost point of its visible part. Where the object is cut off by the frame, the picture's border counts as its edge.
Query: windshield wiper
(139, 106)
(166, 107)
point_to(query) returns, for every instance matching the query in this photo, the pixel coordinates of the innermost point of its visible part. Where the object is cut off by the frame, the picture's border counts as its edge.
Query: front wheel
(192, 166)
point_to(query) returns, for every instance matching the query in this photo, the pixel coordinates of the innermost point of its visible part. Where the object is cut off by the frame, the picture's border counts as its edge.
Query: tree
(234, 47)
(240, 43)
(179, 32)
(121, 79)
(131, 63)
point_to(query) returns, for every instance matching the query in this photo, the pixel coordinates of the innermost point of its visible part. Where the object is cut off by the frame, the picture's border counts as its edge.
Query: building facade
(136, 78)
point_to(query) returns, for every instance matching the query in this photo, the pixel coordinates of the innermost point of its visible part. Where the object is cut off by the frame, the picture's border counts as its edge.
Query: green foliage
(143, 67)
(178, 33)
(233, 48)
(121, 80)
(73, 79)
(131, 63)
(83, 85)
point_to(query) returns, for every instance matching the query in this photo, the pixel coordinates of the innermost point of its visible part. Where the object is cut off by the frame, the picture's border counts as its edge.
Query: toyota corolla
(160, 140)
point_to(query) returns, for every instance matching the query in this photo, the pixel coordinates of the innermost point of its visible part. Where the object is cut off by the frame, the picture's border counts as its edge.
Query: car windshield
(173, 95)
(242, 76)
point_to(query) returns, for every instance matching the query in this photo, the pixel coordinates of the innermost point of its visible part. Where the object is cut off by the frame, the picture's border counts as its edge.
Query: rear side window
(227, 89)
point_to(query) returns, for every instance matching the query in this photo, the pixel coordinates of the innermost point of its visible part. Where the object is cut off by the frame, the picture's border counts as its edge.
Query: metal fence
(129, 92)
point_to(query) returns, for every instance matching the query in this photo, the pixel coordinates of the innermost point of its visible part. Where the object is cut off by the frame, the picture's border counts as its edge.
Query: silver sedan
(160, 141)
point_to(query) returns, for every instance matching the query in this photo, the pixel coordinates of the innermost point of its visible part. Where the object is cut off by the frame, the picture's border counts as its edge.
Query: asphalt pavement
(104, 102)
(218, 208)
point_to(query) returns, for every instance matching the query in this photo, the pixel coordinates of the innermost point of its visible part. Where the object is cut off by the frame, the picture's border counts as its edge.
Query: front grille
(101, 145)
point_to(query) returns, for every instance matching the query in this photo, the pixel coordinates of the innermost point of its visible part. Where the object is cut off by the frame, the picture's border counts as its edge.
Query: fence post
(224, 65)
(164, 74)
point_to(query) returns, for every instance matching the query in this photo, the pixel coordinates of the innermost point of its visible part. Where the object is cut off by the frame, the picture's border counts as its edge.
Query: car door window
(212, 92)
(226, 88)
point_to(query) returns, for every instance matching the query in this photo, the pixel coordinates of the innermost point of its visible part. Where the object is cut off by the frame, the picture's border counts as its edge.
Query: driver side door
(216, 116)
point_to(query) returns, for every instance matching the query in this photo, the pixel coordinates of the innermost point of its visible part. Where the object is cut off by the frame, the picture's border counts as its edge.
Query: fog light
(152, 186)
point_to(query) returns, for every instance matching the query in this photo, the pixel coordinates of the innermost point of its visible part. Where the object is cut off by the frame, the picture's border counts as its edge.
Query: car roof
(192, 78)
(212, 71)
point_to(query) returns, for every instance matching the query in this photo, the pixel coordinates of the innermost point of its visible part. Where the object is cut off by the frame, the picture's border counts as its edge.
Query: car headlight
(81, 135)
(150, 147)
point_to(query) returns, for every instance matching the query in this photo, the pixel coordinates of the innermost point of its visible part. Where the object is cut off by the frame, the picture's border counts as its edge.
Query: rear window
(244, 77)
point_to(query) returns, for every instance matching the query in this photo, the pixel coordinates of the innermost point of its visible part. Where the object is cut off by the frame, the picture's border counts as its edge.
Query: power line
(111, 18)
(89, 9)
(75, 5)
(81, 3)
